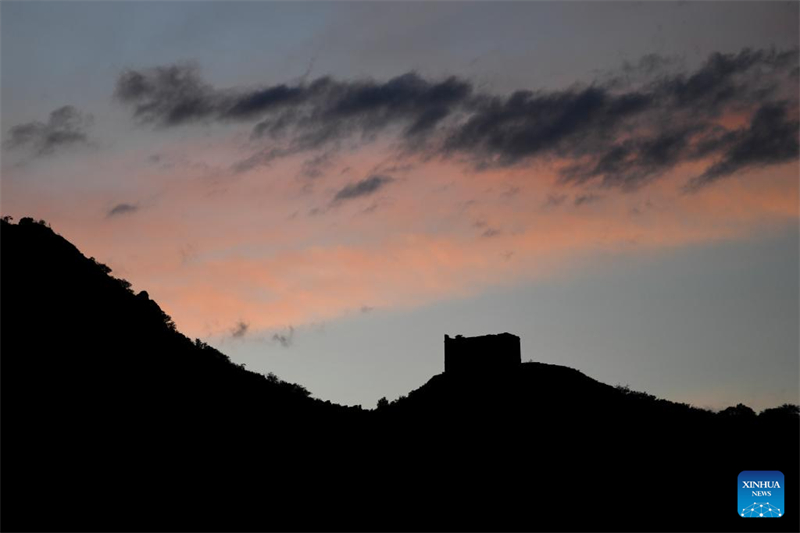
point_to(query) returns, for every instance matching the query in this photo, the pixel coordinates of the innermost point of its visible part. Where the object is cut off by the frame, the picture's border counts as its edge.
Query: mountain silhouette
(113, 420)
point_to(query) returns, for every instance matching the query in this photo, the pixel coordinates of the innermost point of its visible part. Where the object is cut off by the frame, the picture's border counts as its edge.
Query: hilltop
(114, 420)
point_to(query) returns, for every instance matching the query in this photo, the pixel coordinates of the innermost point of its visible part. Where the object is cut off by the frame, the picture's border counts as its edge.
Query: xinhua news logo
(761, 494)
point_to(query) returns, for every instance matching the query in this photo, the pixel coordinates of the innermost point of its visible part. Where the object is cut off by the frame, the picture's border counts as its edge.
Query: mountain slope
(104, 402)
(112, 420)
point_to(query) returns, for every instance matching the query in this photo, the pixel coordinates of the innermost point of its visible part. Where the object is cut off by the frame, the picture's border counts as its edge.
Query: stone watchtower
(481, 354)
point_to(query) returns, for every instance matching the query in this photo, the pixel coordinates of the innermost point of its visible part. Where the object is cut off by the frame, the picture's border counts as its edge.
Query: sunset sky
(323, 190)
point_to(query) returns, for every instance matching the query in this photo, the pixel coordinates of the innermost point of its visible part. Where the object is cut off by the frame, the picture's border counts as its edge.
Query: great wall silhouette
(113, 420)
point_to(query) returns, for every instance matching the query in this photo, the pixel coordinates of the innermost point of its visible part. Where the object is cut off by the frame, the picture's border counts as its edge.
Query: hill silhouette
(113, 420)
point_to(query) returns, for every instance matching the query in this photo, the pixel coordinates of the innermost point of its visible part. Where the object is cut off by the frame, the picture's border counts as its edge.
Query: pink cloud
(215, 250)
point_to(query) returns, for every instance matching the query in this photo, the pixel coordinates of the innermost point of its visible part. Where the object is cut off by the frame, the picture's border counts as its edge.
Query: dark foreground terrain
(113, 420)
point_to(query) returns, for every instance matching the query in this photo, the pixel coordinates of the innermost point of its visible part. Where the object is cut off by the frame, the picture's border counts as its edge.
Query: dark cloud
(366, 309)
(122, 209)
(255, 104)
(771, 138)
(633, 162)
(323, 108)
(490, 232)
(365, 187)
(726, 79)
(502, 132)
(622, 131)
(284, 339)
(168, 95)
(583, 199)
(240, 330)
(659, 123)
(66, 126)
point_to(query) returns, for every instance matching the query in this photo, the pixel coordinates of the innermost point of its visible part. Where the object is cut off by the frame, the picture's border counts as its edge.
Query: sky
(324, 190)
